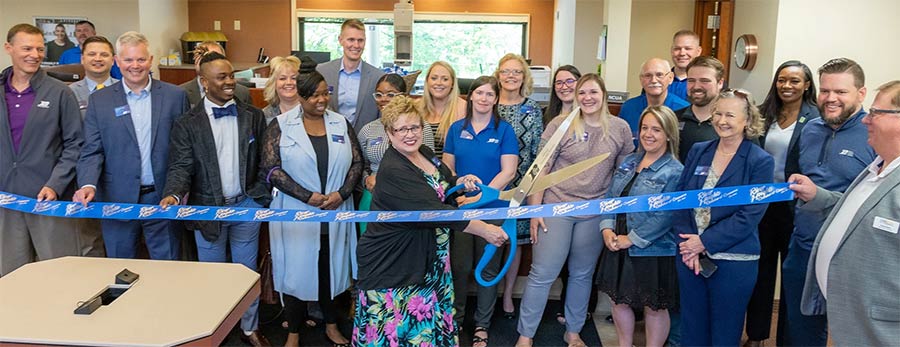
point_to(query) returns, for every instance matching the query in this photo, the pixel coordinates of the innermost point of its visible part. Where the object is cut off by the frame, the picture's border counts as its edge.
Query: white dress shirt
(225, 134)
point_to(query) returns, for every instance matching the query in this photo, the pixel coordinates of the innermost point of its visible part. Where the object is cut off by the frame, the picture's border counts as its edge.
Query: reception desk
(172, 303)
(178, 74)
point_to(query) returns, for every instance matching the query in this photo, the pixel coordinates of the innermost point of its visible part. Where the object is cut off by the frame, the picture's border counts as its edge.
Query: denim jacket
(650, 232)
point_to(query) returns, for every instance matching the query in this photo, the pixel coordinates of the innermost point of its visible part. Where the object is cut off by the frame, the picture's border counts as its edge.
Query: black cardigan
(392, 255)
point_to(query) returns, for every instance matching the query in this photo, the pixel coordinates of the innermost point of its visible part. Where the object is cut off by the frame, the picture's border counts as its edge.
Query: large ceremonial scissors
(531, 183)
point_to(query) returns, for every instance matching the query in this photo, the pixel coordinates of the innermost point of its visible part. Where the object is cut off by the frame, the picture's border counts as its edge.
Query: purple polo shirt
(18, 104)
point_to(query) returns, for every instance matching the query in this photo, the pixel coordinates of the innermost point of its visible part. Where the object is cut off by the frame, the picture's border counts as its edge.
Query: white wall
(111, 17)
(617, 16)
(760, 18)
(589, 24)
(653, 22)
(163, 22)
(864, 30)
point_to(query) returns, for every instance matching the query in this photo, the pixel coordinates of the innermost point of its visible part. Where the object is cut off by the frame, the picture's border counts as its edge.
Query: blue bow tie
(219, 112)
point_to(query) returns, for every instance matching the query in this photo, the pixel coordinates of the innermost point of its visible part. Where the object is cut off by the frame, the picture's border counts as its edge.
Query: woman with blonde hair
(281, 87)
(441, 104)
(525, 115)
(593, 132)
(638, 269)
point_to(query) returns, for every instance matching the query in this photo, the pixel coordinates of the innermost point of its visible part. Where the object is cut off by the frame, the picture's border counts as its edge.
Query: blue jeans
(243, 237)
(712, 309)
(799, 329)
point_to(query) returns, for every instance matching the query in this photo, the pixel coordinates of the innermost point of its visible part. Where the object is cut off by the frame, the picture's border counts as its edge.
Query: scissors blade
(527, 182)
(557, 176)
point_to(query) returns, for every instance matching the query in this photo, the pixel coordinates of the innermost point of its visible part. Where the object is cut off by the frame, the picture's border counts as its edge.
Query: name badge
(122, 110)
(465, 135)
(82, 105)
(886, 225)
(701, 171)
(376, 141)
(680, 125)
(337, 138)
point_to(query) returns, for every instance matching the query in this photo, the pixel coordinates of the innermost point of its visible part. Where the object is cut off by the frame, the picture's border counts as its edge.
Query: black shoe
(609, 319)
(509, 315)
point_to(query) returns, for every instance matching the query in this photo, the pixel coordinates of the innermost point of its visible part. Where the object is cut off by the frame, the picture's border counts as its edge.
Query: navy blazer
(110, 158)
(732, 229)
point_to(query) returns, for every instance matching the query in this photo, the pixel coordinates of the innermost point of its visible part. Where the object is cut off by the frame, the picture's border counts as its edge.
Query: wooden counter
(172, 303)
(178, 74)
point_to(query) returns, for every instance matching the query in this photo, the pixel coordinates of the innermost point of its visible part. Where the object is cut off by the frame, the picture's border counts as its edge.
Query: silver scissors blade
(527, 182)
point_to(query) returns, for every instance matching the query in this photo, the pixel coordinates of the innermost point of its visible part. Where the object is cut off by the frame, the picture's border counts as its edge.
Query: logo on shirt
(493, 140)
(43, 104)
(847, 152)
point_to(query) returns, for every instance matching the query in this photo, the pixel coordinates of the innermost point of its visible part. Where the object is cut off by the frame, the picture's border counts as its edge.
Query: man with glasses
(656, 75)
(351, 79)
(833, 150)
(855, 257)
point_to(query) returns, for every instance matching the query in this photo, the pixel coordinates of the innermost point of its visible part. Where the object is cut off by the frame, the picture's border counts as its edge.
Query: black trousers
(295, 309)
(775, 231)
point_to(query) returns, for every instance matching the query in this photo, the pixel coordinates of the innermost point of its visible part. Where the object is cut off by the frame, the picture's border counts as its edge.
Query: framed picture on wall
(59, 33)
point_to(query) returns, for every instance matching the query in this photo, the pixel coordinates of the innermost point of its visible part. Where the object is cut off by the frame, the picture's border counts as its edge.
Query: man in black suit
(214, 156)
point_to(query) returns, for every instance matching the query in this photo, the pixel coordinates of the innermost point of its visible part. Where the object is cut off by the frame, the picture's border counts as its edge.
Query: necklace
(725, 154)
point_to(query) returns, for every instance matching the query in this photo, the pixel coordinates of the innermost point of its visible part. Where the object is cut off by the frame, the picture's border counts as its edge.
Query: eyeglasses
(390, 95)
(738, 92)
(658, 75)
(567, 82)
(875, 112)
(406, 130)
(508, 72)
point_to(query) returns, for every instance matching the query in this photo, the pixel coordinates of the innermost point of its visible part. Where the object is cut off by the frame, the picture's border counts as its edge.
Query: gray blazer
(50, 144)
(82, 93)
(192, 88)
(864, 274)
(366, 109)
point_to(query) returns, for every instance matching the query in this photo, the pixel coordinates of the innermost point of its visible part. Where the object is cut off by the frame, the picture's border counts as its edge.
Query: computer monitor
(318, 57)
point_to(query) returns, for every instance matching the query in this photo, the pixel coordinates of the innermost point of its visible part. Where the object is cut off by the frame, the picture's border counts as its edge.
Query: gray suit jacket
(192, 88)
(82, 93)
(366, 109)
(50, 141)
(864, 274)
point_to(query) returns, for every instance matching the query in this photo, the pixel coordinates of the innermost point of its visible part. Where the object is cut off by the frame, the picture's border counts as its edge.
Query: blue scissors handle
(489, 195)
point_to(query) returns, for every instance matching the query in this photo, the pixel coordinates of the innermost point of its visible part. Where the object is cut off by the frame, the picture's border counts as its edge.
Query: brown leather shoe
(256, 339)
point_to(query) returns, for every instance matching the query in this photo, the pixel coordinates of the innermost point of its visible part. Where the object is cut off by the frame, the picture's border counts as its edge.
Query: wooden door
(714, 21)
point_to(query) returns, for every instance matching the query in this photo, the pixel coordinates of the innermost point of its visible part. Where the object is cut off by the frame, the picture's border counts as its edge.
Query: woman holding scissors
(593, 131)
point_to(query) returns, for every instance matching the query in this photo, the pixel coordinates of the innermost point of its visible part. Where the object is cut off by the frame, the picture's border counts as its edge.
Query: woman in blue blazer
(719, 246)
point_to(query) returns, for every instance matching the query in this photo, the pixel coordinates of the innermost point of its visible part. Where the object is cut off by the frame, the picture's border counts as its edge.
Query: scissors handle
(489, 195)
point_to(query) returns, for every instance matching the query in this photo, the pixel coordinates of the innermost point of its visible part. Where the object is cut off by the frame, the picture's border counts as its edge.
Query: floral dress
(528, 124)
(416, 315)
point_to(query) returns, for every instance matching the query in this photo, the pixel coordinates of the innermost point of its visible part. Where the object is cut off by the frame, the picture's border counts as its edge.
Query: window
(471, 43)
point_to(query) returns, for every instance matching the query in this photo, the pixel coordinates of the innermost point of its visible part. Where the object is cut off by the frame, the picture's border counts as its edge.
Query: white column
(563, 33)
(617, 17)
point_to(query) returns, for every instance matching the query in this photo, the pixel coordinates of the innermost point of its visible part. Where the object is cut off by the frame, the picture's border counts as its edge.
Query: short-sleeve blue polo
(479, 153)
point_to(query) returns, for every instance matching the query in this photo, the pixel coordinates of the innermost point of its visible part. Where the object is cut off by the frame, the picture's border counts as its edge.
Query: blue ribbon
(726, 196)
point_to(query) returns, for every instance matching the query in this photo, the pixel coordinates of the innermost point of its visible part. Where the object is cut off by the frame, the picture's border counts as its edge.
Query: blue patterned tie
(230, 110)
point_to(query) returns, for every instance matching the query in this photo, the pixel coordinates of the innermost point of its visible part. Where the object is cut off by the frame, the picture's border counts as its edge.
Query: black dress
(637, 281)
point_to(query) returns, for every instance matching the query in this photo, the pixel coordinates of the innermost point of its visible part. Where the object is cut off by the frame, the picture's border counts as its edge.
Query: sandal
(478, 339)
(560, 318)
